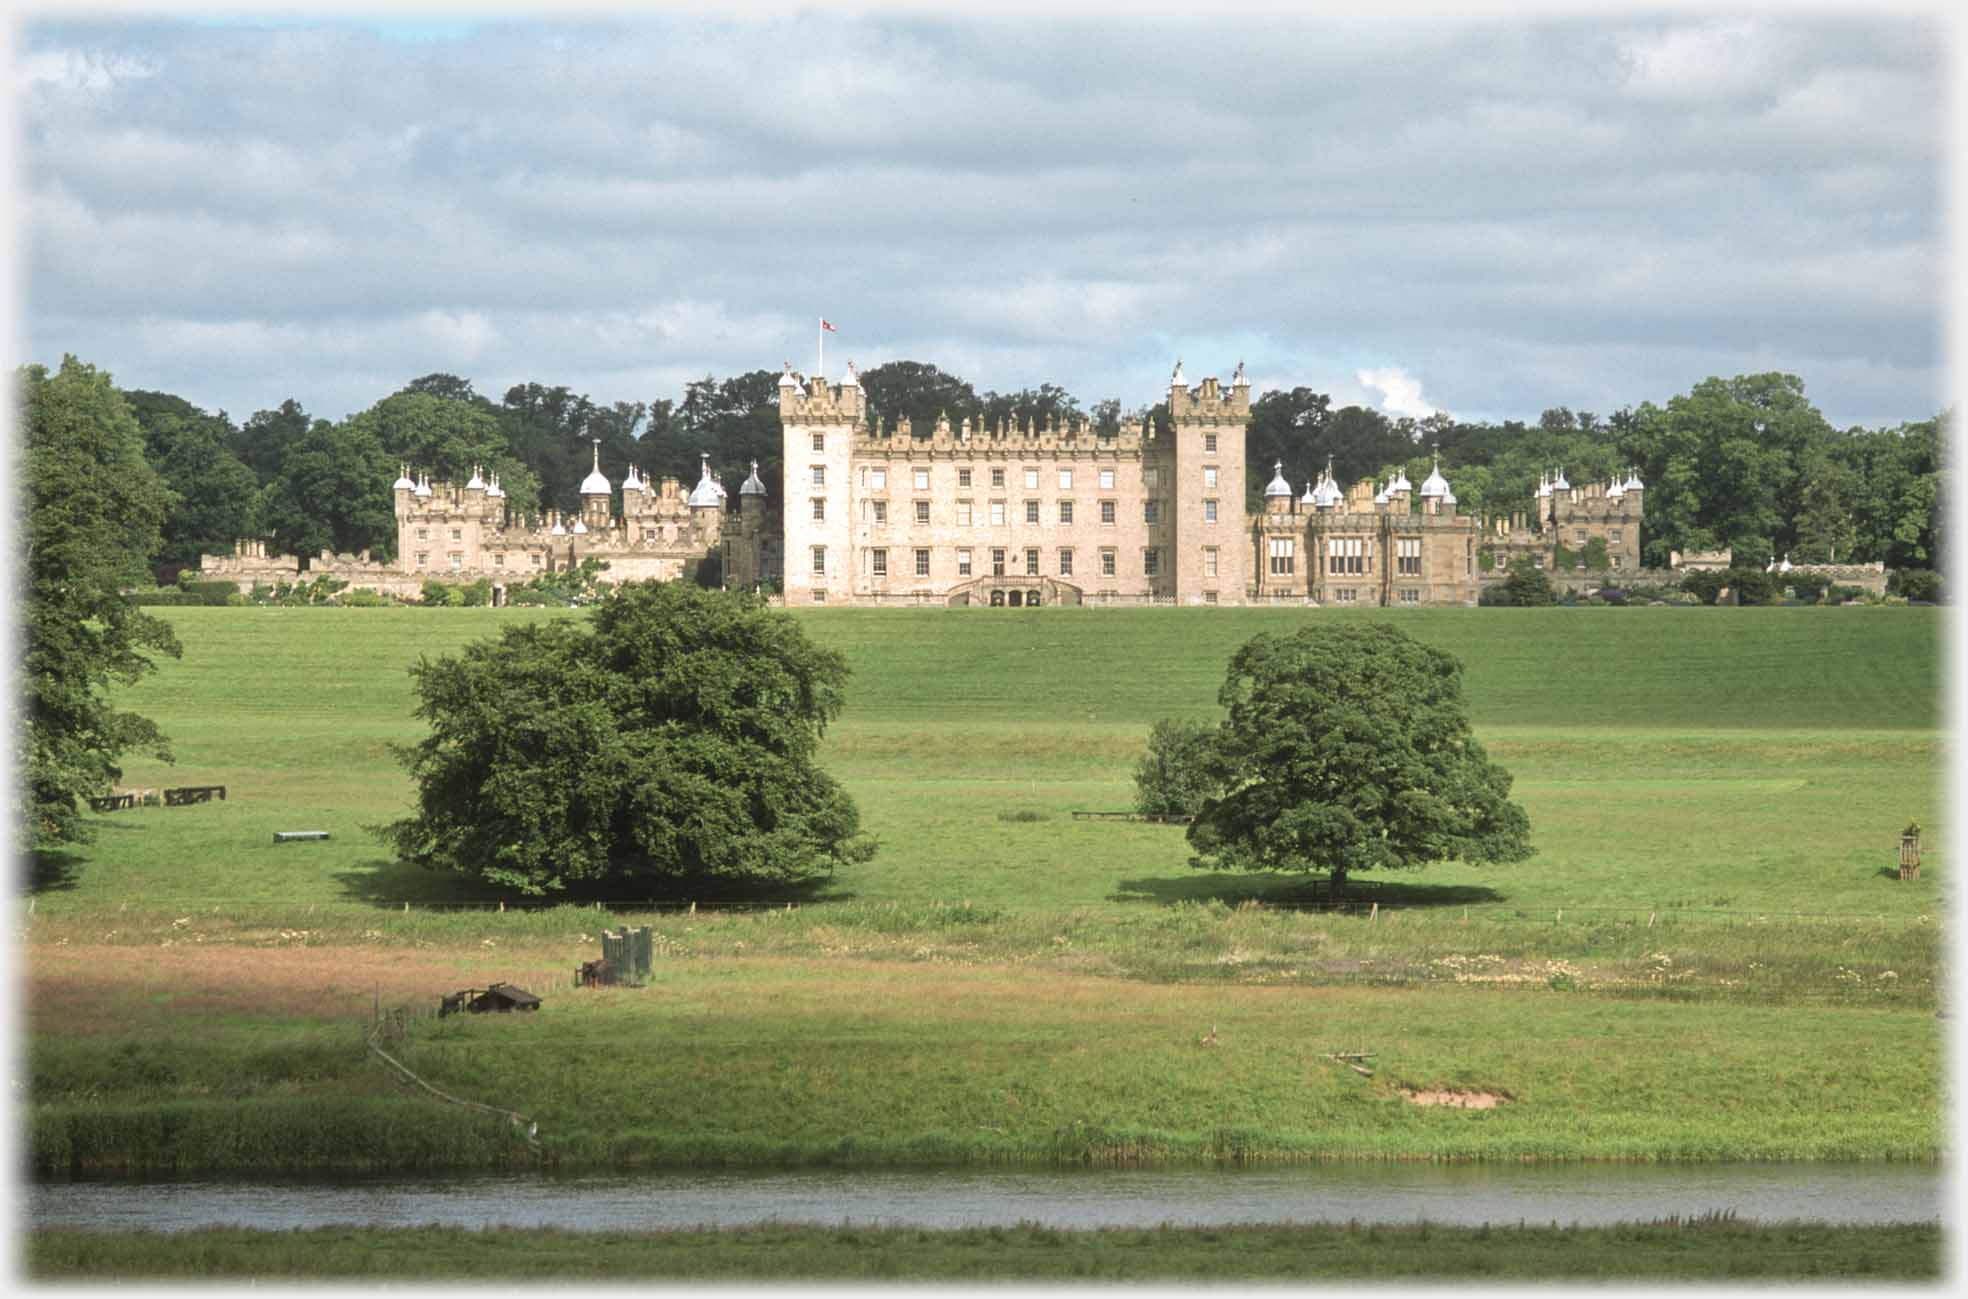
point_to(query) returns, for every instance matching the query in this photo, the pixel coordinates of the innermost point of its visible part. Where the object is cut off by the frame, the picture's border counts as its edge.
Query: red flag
(829, 328)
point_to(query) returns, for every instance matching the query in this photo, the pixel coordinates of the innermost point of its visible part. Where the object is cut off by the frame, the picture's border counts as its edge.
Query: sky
(1416, 212)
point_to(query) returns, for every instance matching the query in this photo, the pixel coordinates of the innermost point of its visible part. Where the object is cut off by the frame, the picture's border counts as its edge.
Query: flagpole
(820, 338)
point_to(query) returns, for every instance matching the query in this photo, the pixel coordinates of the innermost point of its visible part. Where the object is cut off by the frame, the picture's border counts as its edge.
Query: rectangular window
(819, 475)
(1031, 561)
(423, 534)
(922, 480)
(1209, 443)
(820, 509)
(922, 511)
(1346, 555)
(1283, 552)
(649, 534)
(1031, 511)
(963, 563)
(963, 477)
(1065, 480)
(997, 478)
(1209, 597)
(1151, 511)
(457, 534)
(819, 597)
(536, 560)
(922, 563)
(1209, 561)
(1107, 564)
(1031, 480)
(1209, 475)
(997, 561)
(878, 562)
(1613, 536)
(499, 561)
(819, 441)
(1106, 480)
(1066, 563)
(1410, 596)
(1407, 556)
(881, 512)
(878, 479)
(963, 514)
(819, 559)
(1151, 562)
(997, 514)
(1581, 534)
(1346, 595)
(1065, 511)
(423, 558)
(1615, 559)
(1107, 513)
(1151, 477)
(1209, 511)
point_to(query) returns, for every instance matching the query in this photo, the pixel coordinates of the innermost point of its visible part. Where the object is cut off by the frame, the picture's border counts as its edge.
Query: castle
(1009, 515)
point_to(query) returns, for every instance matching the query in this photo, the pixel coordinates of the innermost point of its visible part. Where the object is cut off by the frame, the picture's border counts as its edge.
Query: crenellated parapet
(1002, 439)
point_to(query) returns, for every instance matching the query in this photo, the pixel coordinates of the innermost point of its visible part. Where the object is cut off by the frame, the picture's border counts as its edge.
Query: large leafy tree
(674, 738)
(918, 392)
(333, 493)
(1346, 748)
(93, 520)
(215, 496)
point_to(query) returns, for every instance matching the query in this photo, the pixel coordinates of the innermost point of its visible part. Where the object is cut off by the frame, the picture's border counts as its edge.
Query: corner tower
(1211, 558)
(819, 425)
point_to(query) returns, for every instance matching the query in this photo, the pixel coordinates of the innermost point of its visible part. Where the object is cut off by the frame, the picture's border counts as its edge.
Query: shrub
(1840, 594)
(1810, 587)
(1922, 584)
(1754, 586)
(1180, 770)
(1595, 556)
(1704, 584)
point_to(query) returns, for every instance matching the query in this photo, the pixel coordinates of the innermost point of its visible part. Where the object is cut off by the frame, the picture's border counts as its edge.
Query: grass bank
(1702, 1249)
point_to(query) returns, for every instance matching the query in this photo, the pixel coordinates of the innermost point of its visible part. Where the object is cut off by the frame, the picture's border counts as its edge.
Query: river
(1584, 1194)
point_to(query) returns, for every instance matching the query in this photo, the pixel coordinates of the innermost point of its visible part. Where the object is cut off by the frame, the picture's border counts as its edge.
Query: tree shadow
(50, 872)
(388, 884)
(1233, 887)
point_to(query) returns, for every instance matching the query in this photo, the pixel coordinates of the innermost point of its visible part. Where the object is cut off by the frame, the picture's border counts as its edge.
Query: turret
(1277, 493)
(596, 492)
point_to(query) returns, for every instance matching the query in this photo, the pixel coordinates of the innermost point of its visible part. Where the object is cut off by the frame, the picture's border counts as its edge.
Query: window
(963, 514)
(423, 558)
(922, 563)
(922, 480)
(457, 561)
(963, 477)
(1031, 480)
(423, 534)
(1065, 480)
(878, 479)
(997, 478)
(922, 511)
(878, 562)
(499, 561)
(457, 534)
(1410, 596)
(1107, 480)
(1407, 556)
(1066, 562)
(819, 441)
(1065, 511)
(820, 509)
(1209, 561)
(1107, 513)
(1151, 477)
(1346, 555)
(1209, 443)
(1346, 595)
(1151, 562)
(997, 561)
(963, 563)
(536, 560)
(1537, 561)
(1031, 561)
(1031, 511)
(819, 475)
(819, 597)
(1613, 536)
(1209, 475)
(819, 559)
(1209, 511)
(1107, 563)
(1581, 534)
(1151, 512)
(997, 514)
(1284, 556)
(649, 534)
(881, 512)
(1615, 559)
(1209, 597)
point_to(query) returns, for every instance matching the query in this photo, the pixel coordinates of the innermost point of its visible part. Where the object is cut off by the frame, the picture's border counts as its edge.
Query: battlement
(1006, 439)
(822, 403)
(1210, 402)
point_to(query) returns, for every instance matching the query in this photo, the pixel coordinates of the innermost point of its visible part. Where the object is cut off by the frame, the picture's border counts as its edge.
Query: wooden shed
(500, 997)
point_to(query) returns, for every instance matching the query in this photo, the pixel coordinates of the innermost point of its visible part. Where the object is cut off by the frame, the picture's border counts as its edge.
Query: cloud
(1400, 392)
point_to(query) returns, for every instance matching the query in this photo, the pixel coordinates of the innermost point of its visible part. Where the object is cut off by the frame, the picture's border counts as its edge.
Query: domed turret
(1559, 484)
(849, 380)
(1435, 486)
(1326, 494)
(403, 483)
(752, 486)
(787, 380)
(596, 483)
(1381, 497)
(423, 488)
(1399, 483)
(495, 492)
(1277, 486)
(579, 528)
(706, 494)
(1633, 483)
(476, 483)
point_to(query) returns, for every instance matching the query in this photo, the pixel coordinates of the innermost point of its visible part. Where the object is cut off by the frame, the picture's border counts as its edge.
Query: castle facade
(1001, 516)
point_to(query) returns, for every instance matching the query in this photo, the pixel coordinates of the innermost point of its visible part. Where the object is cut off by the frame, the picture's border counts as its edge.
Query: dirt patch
(1460, 1100)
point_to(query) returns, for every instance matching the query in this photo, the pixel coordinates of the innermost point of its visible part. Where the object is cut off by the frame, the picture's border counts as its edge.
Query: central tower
(1211, 559)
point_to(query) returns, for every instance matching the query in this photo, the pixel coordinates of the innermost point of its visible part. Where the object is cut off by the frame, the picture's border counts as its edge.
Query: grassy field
(1706, 1249)
(1710, 956)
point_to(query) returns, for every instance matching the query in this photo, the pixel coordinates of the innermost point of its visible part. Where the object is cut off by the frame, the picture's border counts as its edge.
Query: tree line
(1747, 463)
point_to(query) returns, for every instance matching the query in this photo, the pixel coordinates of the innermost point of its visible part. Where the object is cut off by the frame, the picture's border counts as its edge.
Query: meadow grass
(1700, 1249)
(1709, 957)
